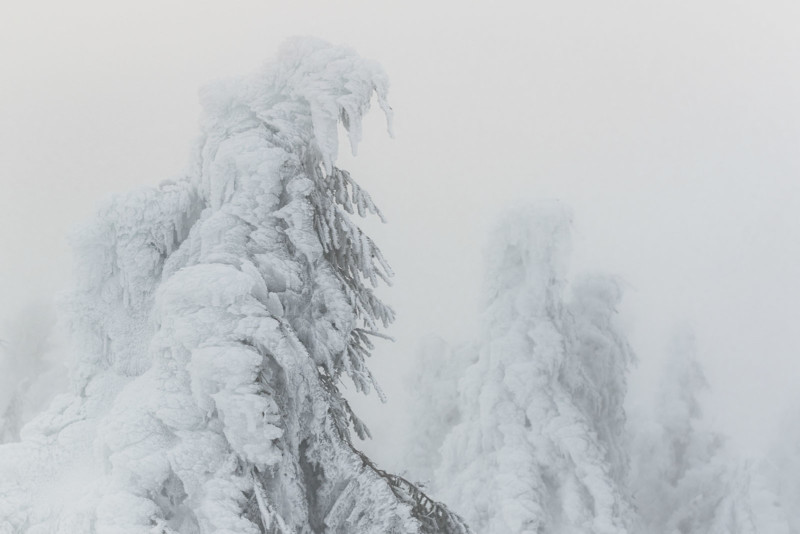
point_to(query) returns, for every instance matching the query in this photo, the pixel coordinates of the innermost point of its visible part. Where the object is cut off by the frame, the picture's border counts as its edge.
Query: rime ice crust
(214, 317)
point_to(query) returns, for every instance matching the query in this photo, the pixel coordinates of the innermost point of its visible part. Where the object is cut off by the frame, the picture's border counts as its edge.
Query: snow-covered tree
(781, 468)
(680, 472)
(215, 317)
(684, 480)
(434, 407)
(30, 374)
(538, 446)
(748, 505)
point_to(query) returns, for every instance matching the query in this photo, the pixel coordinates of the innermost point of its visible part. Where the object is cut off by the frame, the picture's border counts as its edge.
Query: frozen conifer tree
(680, 474)
(748, 505)
(434, 408)
(684, 480)
(538, 446)
(781, 468)
(30, 375)
(215, 317)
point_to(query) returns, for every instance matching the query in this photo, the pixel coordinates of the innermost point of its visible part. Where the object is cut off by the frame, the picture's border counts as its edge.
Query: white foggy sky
(671, 129)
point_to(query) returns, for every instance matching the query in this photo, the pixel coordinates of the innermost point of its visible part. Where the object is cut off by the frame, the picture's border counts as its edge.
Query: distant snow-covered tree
(538, 447)
(781, 468)
(748, 505)
(215, 318)
(684, 480)
(434, 408)
(30, 376)
(680, 471)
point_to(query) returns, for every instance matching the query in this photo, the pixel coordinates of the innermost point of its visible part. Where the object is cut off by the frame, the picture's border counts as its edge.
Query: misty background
(671, 130)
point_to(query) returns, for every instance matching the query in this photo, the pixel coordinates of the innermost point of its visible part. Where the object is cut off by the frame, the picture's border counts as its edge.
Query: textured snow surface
(213, 318)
